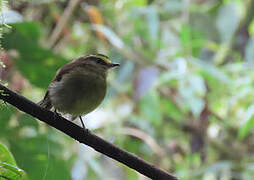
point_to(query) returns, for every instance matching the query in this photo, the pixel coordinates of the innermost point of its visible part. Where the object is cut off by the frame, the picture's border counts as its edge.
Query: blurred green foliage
(8, 167)
(182, 98)
(32, 55)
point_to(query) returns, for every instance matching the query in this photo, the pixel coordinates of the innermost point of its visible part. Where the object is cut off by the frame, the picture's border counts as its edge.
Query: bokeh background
(182, 98)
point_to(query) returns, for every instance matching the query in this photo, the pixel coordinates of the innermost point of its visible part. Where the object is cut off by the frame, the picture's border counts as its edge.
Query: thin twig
(63, 20)
(144, 137)
(77, 133)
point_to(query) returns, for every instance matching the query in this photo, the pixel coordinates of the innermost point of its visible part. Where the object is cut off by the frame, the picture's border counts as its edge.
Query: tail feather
(45, 102)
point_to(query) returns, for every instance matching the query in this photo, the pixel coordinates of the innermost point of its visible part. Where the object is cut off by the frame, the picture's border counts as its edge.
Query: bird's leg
(56, 114)
(83, 125)
(55, 111)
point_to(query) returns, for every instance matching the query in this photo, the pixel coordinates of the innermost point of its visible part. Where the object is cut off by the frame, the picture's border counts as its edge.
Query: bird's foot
(86, 130)
(56, 114)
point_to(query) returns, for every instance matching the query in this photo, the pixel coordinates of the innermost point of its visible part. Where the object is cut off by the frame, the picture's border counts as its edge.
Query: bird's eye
(100, 61)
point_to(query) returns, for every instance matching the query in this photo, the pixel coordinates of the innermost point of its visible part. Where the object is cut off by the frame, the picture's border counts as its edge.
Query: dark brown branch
(87, 138)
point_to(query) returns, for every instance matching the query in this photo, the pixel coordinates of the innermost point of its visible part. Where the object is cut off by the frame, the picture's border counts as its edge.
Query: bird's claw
(56, 114)
(86, 130)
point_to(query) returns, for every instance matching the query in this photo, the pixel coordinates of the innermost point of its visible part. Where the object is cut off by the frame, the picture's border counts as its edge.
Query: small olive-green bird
(79, 86)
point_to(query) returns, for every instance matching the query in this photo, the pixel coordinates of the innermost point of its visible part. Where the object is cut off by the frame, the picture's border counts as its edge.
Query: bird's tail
(45, 102)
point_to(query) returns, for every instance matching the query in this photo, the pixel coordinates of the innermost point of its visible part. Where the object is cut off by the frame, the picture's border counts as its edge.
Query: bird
(79, 86)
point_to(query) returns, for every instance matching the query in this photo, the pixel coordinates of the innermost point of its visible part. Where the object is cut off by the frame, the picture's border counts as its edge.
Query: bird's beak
(111, 65)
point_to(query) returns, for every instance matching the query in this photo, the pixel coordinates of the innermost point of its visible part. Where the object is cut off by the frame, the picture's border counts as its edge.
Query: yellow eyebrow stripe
(104, 58)
(107, 60)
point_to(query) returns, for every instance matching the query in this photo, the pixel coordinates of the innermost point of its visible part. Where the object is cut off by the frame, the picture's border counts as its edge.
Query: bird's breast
(78, 93)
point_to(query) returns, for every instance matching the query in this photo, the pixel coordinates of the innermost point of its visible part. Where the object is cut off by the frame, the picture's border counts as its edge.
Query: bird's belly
(77, 96)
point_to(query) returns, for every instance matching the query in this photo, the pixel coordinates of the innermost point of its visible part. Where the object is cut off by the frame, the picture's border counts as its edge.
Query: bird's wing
(63, 70)
(45, 102)
(66, 69)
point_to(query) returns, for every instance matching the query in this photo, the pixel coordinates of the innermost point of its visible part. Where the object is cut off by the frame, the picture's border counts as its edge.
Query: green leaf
(251, 27)
(152, 22)
(191, 39)
(37, 64)
(130, 174)
(8, 171)
(27, 120)
(204, 26)
(228, 20)
(42, 156)
(150, 107)
(131, 3)
(249, 51)
(170, 109)
(248, 122)
(192, 89)
(211, 69)
(6, 156)
(5, 114)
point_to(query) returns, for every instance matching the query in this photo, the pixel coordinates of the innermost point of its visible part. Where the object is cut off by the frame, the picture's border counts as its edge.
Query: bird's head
(99, 61)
